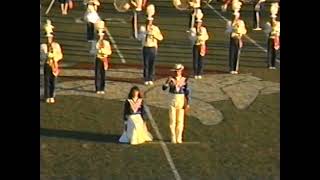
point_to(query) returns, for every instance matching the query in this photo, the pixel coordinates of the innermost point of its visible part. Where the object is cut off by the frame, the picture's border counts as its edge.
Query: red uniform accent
(276, 42)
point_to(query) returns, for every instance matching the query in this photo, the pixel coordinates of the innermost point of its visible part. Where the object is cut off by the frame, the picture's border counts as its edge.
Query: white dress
(137, 132)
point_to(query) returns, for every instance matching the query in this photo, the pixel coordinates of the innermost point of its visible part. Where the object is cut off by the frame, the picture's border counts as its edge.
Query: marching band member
(195, 5)
(135, 129)
(257, 14)
(273, 31)
(51, 53)
(236, 29)
(198, 36)
(150, 46)
(103, 50)
(178, 88)
(91, 17)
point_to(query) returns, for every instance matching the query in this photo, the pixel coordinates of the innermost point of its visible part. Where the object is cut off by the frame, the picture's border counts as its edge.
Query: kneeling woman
(135, 131)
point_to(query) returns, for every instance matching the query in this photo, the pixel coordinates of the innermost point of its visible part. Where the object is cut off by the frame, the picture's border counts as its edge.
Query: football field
(232, 131)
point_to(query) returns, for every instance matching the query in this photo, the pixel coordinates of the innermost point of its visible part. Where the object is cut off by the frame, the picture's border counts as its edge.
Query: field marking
(116, 20)
(50, 6)
(246, 36)
(183, 143)
(123, 60)
(163, 144)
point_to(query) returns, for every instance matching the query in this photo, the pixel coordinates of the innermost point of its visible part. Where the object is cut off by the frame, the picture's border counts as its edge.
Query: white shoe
(195, 77)
(257, 29)
(179, 142)
(52, 100)
(272, 67)
(146, 83)
(150, 83)
(199, 77)
(101, 92)
(231, 72)
(236, 72)
(173, 141)
(48, 100)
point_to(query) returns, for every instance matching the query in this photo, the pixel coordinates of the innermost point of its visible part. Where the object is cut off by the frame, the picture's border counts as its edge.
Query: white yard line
(123, 60)
(246, 36)
(163, 144)
(50, 6)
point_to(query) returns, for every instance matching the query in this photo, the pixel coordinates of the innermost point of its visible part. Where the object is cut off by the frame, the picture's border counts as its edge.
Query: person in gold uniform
(236, 29)
(150, 37)
(135, 129)
(51, 53)
(198, 36)
(103, 50)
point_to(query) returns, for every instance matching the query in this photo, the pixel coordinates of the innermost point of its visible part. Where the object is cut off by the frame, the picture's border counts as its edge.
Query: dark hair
(134, 88)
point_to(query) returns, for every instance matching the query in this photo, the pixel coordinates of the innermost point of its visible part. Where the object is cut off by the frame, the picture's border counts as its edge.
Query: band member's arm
(142, 33)
(43, 52)
(229, 27)
(166, 85)
(57, 52)
(193, 35)
(157, 34)
(267, 28)
(187, 92)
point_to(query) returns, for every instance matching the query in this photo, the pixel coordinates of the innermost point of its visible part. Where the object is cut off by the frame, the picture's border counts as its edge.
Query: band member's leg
(191, 19)
(145, 63)
(232, 54)
(273, 55)
(269, 54)
(200, 62)
(98, 78)
(236, 55)
(66, 5)
(254, 17)
(180, 124)
(90, 31)
(103, 76)
(151, 61)
(172, 124)
(195, 54)
(62, 8)
(46, 75)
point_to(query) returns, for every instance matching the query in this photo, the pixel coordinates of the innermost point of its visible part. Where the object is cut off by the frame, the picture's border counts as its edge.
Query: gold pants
(176, 114)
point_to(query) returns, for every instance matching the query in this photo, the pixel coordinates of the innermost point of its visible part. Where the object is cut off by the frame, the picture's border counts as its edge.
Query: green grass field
(79, 134)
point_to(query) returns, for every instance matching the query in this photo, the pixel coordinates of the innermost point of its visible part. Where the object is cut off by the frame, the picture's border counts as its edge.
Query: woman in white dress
(135, 129)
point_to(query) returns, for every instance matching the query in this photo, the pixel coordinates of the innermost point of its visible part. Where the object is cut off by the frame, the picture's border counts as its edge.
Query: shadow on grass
(78, 135)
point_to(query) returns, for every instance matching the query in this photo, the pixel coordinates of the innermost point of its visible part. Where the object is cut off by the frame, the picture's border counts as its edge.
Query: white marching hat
(177, 67)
